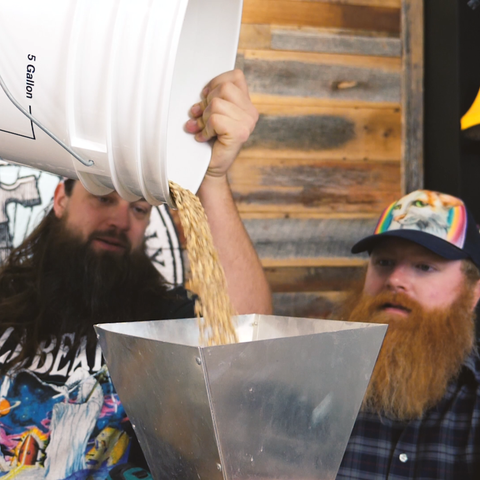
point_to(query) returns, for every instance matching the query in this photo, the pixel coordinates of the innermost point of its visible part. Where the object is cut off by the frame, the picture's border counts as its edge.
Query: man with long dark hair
(84, 264)
(420, 417)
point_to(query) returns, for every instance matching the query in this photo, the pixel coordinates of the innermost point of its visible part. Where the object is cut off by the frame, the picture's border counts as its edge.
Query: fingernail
(205, 92)
(191, 124)
(196, 109)
(199, 137)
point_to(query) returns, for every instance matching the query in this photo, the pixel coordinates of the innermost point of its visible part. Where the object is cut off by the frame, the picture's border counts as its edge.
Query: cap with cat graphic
(437, 221)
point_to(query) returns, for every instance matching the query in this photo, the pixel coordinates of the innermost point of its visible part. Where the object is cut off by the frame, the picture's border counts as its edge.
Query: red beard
(422, 352)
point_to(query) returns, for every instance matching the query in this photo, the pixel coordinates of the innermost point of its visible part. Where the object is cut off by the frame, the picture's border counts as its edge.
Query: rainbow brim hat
(439, 222)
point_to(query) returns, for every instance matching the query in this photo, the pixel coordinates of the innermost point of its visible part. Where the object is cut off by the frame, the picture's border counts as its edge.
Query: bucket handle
(87, 163)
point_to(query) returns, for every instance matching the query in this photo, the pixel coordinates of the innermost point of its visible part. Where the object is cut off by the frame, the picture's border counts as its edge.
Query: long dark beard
(82, 287)
(420, 355)
(55, 283)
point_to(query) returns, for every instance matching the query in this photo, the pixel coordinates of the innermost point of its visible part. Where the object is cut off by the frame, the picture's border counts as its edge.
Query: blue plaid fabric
(444, 445)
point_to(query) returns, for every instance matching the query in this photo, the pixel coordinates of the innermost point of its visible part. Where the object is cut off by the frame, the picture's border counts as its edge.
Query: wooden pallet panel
(340, 77)
(320, 14)
(325, 158)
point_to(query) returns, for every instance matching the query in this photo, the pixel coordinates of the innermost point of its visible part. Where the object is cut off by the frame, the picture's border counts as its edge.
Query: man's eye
(425, 268)
(142, 211)
(103, 199)
(384, 262)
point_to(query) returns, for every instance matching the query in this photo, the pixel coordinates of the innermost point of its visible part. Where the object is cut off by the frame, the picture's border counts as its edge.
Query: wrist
(213, 189)
(213, 182)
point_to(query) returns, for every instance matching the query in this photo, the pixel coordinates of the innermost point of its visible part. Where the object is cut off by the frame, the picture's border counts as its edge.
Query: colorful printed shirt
(444, 445)
(61, 418)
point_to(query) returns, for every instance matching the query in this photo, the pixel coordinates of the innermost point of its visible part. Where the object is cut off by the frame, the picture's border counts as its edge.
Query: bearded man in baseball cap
(421, 414)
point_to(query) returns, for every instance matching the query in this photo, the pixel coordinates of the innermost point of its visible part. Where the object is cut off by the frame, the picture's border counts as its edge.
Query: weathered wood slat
(412, 101)
(342, 77)
(293, 102)
(384, 64)
(309, 215)
(327, 42)
(307, 305)
(308, 279)
(302, 200)
(355, 261)
(320, 14)
(322, 40)
(330, 133)
(290, 241)
(368, 3)
(308, 185)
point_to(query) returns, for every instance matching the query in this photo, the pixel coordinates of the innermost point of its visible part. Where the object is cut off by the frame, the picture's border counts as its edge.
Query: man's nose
(398, 280)
(119, 216)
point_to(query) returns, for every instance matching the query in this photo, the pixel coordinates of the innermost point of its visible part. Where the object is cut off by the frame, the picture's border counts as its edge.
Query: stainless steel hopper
(280, 404)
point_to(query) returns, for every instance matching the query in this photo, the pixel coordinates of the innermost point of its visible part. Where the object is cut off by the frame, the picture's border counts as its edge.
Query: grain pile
(208, 278)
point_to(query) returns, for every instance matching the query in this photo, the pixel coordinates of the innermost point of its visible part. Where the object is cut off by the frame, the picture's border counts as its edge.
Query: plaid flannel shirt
(443, 445)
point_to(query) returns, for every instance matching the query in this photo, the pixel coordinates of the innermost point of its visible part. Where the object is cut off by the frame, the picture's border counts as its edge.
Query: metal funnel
(280, 404)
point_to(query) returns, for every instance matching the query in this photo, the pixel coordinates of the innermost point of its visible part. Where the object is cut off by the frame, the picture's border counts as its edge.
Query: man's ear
(477, 294)
(60, 200)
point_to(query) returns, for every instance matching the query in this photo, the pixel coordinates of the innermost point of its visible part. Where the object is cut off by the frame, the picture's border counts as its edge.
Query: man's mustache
(384, 300)
(111, 236)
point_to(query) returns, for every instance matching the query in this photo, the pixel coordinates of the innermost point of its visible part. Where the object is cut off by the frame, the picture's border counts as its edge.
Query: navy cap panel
(434, 244)
(439, 222)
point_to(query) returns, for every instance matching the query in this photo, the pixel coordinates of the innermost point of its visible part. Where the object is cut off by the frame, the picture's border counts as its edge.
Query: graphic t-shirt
(61, 418)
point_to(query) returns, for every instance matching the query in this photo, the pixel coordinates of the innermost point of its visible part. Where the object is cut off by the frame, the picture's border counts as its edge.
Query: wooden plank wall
(325, 158)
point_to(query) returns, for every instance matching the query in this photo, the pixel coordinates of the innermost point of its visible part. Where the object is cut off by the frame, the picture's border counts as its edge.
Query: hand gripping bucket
(111, 80)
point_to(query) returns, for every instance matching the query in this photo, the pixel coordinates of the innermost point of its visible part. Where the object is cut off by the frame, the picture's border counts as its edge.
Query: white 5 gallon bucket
(113, 80)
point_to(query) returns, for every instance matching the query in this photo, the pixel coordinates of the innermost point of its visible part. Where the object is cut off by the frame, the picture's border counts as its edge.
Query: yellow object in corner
(472, 117)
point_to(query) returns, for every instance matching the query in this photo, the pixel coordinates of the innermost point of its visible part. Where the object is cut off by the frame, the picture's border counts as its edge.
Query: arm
(227, 113)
